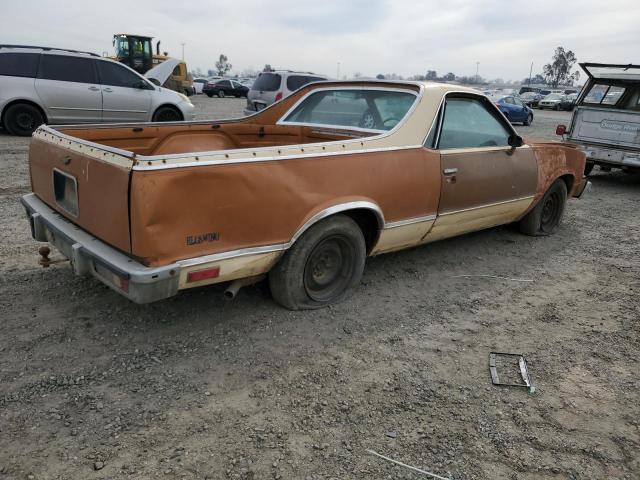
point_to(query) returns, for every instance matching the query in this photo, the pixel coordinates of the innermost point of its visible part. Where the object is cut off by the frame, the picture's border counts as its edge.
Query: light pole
(338, 72)
(183, 44)
(530, 72)
(477, 76)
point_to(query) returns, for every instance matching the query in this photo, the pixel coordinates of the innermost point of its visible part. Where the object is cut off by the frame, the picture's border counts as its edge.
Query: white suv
(271, 87)
(44, 85)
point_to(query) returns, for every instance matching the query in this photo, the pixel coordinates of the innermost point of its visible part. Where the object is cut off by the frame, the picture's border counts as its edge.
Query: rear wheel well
(16, 102)
(368, 222)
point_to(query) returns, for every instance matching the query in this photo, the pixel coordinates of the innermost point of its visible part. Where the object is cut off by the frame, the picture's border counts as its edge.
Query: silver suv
(271, 87)
(44, 85)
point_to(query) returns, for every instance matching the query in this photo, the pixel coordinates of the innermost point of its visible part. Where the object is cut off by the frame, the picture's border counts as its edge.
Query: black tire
(220, 93)
(322, 267)
(529, 120)
(167, 113)
(588, 167)
(22, 119)
(546, 216)
(209, 94)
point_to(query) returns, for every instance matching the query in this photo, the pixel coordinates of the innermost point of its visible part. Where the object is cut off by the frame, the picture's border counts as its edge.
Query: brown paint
(486, 176)
(265, 203)
(102, 190)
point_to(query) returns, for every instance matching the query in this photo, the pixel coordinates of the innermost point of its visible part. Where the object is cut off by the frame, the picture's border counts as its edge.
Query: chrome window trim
(418, 95)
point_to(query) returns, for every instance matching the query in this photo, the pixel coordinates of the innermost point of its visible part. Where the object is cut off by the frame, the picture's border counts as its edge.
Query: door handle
(107, 90)
(450, 171)
(94, 89)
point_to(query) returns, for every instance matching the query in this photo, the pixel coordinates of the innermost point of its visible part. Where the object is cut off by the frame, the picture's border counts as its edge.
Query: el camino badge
(204, 237)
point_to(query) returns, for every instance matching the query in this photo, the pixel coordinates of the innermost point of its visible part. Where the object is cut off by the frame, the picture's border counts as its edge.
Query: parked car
(606, 119)
(199, 82)
(531, 99)
(555, 101)
(302, 191)
(514, 109)
(43, 85)
(271, 87)
(225, 88)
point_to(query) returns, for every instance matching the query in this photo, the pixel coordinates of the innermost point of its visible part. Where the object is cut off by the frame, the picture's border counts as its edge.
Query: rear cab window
(267, 82)
(19, 64)
(66, 69)
(358, 109)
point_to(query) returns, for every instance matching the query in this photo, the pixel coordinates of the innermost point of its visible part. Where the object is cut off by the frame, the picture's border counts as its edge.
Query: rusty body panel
(103, 190)
(233, 196)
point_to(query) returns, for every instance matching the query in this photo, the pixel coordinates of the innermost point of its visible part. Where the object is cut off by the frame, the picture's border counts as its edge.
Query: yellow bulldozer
(136, 51)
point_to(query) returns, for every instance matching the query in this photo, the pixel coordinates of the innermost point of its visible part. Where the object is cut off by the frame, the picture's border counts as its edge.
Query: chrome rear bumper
(90, 256)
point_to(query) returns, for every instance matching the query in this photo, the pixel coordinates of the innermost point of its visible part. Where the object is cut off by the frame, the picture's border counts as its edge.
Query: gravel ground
(95, 387)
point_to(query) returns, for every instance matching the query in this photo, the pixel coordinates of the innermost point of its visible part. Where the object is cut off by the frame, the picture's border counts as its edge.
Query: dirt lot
(95, 387)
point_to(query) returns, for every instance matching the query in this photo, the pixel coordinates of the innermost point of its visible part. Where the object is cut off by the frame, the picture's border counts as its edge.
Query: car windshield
(377, 110)
(267, 82)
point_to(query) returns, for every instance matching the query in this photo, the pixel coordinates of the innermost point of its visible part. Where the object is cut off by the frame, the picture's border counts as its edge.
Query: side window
(19, 64)
(114, 74)
(66, 69)
(510, 101)
(294, 82)
(225, 83)
(518, 102)
(468, 124)
(613, 95)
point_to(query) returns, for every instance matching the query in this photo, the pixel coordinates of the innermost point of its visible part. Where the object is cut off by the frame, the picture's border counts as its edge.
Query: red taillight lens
(561, 130)
(278, 96)
(204, 274)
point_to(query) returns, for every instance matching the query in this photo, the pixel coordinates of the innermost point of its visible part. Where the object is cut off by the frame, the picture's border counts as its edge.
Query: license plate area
(65, 191)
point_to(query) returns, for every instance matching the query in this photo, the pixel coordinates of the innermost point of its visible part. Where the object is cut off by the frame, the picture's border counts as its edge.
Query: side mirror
(515, 141)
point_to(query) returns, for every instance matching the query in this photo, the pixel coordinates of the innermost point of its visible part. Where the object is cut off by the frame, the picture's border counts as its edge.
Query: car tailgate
(90, 191)
(607, 127)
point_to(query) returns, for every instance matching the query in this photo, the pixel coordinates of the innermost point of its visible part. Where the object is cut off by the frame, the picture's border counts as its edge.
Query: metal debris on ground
(415, 469)
(524, 371)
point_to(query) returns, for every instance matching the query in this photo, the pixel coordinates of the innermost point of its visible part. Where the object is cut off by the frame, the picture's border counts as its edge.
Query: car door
(126, 96)
(485, 182)
(520, 109)
(68, 88)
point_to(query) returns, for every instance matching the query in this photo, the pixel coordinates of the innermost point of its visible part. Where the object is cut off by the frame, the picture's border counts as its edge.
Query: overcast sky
(366, 36)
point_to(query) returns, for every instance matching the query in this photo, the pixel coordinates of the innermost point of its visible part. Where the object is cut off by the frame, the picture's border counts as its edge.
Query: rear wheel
(220, 94)
(22, 119)
(529, 120)
(546, 216)
(209, 94)
(322, 267)
(167, 114)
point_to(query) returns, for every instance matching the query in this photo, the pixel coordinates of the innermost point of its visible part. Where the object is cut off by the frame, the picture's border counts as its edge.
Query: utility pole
(183, 44)
(530, 72)
(477, 76)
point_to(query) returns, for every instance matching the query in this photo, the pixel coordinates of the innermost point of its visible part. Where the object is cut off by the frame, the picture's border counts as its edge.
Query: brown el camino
(302, 191)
